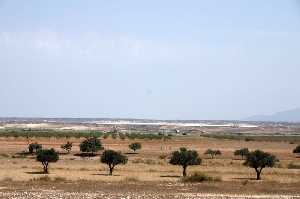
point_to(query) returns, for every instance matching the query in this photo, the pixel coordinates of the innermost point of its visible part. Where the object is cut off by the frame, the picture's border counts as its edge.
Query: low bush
(293, 166)
(200, 177)
(163, 156)
(59, 179)
(131, 179)
(43, 178)
(4, 155)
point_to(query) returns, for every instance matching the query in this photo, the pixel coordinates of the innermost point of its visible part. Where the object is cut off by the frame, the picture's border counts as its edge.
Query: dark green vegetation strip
(18, 132)
(271, 138)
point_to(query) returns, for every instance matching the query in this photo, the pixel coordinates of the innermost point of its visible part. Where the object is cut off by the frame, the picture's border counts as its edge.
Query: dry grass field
(147, 172)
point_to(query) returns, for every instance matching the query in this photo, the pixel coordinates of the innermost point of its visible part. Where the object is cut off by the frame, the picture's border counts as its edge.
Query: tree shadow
(86, 154)
(131, 153)
(63, 153)
(170, 176)
(103, 174)
(35, 172)
(244, 178)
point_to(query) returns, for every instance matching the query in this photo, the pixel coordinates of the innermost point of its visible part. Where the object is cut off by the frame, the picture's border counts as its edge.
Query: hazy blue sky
(149, 59)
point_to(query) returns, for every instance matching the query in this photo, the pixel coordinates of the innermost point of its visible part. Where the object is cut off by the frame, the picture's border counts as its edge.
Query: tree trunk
(45, 164)
(258, 172)
(111, 168)
(184, 171)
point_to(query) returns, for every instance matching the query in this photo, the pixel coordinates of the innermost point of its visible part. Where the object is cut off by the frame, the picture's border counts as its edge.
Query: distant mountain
(284, 116)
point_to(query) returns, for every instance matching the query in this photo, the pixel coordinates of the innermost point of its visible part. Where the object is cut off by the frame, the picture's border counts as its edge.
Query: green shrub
(68, 146)
(297, 149)
(34, 147)
(199, 177)
(242, 152)
(91, 145)
(212, 153)
(135, 146)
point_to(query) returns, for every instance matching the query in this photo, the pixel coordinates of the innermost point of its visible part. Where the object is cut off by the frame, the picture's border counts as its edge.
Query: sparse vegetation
(185, 158)
(293, 166)
(200, 177)
(297, 150)
(45, 156)
(242, 152)
(34, 147)
(263, 138)
(212, 153)
(112, 159)
(46, 133)
(67, 147)
(135, 146)
(260, 160)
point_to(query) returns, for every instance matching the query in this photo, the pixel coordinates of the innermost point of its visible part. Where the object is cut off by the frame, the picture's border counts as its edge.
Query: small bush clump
(293, 166)
(200, 177)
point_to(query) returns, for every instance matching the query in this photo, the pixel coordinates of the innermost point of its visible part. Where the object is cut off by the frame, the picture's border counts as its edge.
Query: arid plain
(148, 173)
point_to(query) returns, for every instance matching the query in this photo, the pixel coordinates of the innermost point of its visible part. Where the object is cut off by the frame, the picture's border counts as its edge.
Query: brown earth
(146, 175)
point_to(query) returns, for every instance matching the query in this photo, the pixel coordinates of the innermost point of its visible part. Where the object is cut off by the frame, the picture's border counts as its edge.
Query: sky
(155, 59)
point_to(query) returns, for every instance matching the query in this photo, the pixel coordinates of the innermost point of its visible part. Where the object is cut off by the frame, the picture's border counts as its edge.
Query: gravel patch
(46, 194)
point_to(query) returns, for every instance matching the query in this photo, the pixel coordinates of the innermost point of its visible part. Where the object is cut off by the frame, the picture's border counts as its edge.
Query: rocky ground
(91, 190)
(78, 195)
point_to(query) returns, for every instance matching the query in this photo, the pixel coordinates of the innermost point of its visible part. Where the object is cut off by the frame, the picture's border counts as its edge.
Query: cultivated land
(148, 173)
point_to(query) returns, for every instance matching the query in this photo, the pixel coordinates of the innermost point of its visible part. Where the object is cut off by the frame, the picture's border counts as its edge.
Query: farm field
(147, 173)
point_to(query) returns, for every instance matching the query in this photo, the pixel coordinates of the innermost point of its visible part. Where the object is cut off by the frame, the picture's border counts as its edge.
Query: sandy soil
(145, 175)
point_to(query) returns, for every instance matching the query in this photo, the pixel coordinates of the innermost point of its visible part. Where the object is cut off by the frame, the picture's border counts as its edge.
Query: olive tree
(185, 158)
(45, 156)
(34, 147)
(91, 145)
(297, 150)
(212, 153)
(113, 158)
(135, 146)
(242, 152)
(68, 146)
(260, 160)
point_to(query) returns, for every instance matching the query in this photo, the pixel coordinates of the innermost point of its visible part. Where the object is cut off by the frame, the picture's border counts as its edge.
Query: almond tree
(185, 158)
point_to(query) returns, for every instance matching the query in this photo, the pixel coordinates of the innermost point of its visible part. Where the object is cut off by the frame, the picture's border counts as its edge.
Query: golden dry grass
(146, 165)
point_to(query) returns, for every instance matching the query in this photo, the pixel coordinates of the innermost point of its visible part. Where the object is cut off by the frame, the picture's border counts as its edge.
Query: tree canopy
(242, 152)
(91, 145)
(297, 149)
(45, 156)
(113, 158)
(260, 160)
(34, 147)
(185, 158)
(212, 152)
(135, 146)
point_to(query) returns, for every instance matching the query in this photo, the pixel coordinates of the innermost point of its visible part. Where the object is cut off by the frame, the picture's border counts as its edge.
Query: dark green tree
(91, 145)
(242, 152)
(68, 146)
(135, 146)
(212, 153)
(297, 150)
(260, 160)
(34, 147)
(113, 158)
(45, 156)
(185, 158)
